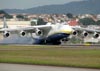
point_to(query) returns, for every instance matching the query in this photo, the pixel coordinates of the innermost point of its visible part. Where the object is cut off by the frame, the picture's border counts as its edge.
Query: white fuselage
(60, 28)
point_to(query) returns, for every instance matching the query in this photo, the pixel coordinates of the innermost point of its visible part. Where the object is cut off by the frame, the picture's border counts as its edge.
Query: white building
(13, 24)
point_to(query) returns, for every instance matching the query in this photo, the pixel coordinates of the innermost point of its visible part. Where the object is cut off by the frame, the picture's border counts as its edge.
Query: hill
(78, 7)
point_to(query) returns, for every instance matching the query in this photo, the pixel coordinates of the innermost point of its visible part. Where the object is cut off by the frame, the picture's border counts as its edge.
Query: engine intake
(75, 33)
(6, 34)
(23, 33)
(96, 35)
(39, 32)
(85, 34)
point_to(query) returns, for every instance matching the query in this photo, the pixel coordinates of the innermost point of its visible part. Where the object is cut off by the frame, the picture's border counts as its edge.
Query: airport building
(15, 24)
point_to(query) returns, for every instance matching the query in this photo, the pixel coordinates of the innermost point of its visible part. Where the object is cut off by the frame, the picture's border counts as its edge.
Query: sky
(25, 4)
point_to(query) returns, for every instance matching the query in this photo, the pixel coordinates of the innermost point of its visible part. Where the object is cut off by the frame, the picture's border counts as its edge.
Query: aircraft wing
(85, 29)
(29, 28)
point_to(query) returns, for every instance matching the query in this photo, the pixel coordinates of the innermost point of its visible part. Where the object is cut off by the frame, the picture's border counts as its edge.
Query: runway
(63, 46)
(20, 67)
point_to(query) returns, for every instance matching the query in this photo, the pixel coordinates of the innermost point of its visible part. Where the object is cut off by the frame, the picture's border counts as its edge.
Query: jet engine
(74, 33)
(6, 34)
(39, 32)
(22, 33)
(95, 35)
(85, 34)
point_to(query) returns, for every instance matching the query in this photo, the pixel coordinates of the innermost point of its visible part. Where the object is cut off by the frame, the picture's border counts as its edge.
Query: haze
(24, 4)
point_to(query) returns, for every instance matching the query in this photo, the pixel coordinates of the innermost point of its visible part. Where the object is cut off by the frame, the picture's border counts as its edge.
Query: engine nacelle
(85, 34)
(74, 33)
(6, 34)
(96, 35)
(39, 32)
(22, 33)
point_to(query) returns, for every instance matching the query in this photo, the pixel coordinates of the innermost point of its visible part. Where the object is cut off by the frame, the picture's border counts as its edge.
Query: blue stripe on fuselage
(57, 37)
(51, 39)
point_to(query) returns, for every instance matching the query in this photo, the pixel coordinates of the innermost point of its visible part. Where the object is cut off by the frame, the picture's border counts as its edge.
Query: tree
(69, 15)
(98, 22)
(20, 16)
(6, 14)
(87, 21)
(41, 22)
(2, 12)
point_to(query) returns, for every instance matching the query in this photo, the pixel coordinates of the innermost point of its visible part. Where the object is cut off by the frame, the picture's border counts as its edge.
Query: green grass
(51, 55)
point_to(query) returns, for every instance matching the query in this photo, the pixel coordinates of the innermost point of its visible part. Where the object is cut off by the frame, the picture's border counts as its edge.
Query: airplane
(53, 34)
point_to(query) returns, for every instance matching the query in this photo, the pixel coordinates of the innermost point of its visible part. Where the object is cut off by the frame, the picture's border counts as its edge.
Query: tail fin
(5, 24)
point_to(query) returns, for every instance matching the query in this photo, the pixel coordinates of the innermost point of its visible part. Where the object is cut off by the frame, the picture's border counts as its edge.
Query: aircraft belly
(52, 39)
(57, 37)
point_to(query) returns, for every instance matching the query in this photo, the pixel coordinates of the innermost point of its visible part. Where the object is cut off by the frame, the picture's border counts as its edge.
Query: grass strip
(51, 55)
